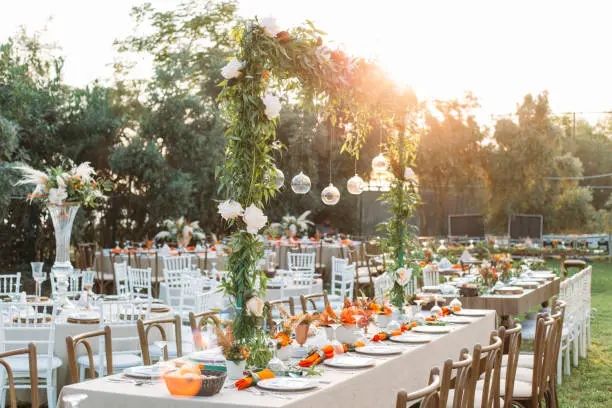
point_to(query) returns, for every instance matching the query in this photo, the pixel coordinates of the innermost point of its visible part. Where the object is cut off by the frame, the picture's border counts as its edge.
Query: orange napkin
(384, 336)
(254, 378)
(315, 358)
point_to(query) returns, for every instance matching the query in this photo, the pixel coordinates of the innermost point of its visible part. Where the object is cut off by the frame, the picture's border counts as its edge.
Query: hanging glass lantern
(278, 177)
(330, 195)
(300, 183)
(380, 163)
(355, 185)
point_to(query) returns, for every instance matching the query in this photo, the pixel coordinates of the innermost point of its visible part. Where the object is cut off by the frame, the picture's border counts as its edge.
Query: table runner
(373, 387)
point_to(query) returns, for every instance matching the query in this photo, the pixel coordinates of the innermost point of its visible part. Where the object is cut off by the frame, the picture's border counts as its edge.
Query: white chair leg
(560, 368)
(51, 397)
(588, 333)
(575, 343)
(583, 345)
(3, 397)
(567, 358)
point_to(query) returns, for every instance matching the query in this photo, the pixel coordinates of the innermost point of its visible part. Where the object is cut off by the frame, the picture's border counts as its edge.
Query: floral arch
(343, 89)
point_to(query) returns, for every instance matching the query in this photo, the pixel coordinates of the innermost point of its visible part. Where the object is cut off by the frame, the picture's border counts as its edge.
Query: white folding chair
(342, 280)
(121, 279)
(21, 324)
(301, 261)
(10, 284)
(190, 289)
(177, 263)
(431, 276)
(139, 281)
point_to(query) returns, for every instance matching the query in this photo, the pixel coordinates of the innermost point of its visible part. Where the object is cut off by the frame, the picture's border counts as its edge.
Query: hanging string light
(330, 194)
(300, 183)
(380, 177)
(355, 184)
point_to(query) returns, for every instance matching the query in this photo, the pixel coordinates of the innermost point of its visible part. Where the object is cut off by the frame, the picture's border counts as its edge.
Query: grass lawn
(590, 385)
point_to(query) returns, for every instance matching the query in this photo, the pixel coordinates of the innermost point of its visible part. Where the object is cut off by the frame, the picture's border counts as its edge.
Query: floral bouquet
(181, 231)
(65, 184)
(503, 266)
(487, 273)
(231, 350)
(293, 225)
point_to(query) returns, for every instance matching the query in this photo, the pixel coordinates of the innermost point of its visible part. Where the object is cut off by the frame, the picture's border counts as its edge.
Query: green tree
(448, 156)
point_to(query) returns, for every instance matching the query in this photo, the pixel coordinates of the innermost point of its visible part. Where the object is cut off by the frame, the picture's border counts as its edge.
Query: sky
(498, 50)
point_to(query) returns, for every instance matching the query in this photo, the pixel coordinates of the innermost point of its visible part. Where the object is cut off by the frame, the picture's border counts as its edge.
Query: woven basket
(212, 382)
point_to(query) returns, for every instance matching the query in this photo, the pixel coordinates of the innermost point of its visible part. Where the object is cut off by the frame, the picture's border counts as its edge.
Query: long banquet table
(371, 387)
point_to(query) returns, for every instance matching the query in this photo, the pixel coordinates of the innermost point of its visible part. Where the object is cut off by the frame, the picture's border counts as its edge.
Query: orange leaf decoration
(330, 312)
(283, 339)
(315, 358)
(246, 382)
(347, 303)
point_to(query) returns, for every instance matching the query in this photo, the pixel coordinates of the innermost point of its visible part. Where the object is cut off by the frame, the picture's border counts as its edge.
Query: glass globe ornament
(300, 183)
(278, 177)
(330, 195)
(380, 163)
(355, 184)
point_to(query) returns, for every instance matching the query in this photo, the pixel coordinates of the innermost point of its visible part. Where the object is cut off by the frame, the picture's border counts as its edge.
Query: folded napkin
(253, 379)
(318, 356)
(466, 257)
(385, 335)
(444, 264)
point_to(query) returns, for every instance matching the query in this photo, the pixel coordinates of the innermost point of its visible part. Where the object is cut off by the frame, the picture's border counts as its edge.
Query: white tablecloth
(368, 388)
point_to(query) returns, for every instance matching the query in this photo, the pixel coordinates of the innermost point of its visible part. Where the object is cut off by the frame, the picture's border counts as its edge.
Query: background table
(368, 388)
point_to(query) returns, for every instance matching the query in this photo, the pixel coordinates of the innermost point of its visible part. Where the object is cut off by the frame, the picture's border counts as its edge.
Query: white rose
(273, 106)
(403, 276)
(57, 195)
(232, 69)
(409, 174)
(255, 219)
(230, 209)
(270, 26)
(255, 306)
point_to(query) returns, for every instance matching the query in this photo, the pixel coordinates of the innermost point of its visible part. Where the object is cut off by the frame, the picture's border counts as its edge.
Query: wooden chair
(429, 396)
(72, 342)
(531, 386)
(512, 343)
(485, 393)
(86, 255)
(31, 352)
(457, 372)
(199, 320)
(363, 273)
(269, 305)
(304, 299)
(145, 326)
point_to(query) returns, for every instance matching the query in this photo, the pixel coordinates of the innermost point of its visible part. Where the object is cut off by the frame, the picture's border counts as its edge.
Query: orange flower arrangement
(283, 339)
(380, 309)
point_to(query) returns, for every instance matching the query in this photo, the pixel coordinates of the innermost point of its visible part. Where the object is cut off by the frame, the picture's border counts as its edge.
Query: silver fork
(256, 391)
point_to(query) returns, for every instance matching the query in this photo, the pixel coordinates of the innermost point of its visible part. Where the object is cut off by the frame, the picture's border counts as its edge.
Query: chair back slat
(429, 396)
(459, 371)
(145, 326)
(10, 284)
(105, 358)
(139, 281)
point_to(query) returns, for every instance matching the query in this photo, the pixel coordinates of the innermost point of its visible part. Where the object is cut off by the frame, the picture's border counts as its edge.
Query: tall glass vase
(63, 218)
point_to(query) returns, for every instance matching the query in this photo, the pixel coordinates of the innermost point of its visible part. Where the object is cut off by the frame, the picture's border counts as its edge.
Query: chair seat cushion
(477, 400)
(363, 271)
(522, 389)
(522, 374)
(154, 349)
(120, 360)
(21, 364)
(524, 360)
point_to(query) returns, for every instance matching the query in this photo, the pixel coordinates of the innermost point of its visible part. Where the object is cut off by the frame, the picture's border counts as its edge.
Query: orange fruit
(189, 368)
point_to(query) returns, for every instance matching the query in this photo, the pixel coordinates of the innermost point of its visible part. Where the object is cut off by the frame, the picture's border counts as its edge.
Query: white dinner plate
(456, 320)
(431, 329)
(158, 306)
(143, 372)
(207, 355)
(286, 384)
(411, 339)
(471, 313)
(344, 361)
(378, 350)
(84, 316)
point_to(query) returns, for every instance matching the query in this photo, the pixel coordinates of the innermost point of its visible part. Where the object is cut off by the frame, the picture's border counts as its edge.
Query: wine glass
(74, 399)
(162, 345)
(334, 326)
